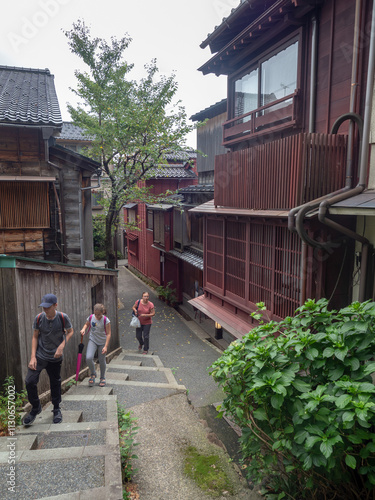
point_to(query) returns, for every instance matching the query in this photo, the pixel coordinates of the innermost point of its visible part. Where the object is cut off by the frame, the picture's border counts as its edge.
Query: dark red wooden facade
(282, 154)
(147, 253)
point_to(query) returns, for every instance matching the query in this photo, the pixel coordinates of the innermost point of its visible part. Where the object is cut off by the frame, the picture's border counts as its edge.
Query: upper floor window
(273, 79)
(264, 95)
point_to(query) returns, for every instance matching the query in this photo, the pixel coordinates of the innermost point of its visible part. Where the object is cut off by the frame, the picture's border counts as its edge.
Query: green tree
(133, 123)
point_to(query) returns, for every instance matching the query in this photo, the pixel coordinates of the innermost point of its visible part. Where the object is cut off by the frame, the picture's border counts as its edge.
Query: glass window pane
(246, 93)
(279, 75)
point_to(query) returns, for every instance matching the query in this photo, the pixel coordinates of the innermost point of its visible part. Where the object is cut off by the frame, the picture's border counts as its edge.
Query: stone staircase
(80, 458)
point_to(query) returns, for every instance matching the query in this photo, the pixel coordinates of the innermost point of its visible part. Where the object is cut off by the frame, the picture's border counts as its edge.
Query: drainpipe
(313, 70)
(81, 224)
(312, 115)
(363, 163)
(60, 210)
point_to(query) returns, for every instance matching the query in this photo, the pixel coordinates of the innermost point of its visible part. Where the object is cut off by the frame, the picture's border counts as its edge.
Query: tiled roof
(216, 109)
(169, 172)
(198, 188)
(28, 97)
(189, 256)
(181, 155)
(71, 132)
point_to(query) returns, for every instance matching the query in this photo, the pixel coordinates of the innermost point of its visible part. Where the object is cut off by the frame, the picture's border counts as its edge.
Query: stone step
(21, 442)
(126, 362)
(46, 417)
(116, 375)
(84, 388)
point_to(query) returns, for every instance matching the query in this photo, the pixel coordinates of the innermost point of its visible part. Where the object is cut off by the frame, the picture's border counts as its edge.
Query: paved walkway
(79, 459)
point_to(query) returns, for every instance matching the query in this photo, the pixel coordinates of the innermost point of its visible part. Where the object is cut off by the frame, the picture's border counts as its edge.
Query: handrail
(261, 108)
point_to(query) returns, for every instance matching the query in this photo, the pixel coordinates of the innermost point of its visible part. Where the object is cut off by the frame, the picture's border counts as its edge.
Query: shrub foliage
(301, 390)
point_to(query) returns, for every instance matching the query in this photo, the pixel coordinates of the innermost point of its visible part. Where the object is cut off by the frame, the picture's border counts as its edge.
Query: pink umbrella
(80, 349)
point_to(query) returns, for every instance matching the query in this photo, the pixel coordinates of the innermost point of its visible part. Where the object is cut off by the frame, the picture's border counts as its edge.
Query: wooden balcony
(281, 174)
(268, 119)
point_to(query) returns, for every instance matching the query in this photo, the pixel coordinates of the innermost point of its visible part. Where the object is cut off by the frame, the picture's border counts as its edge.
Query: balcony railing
(281, 174)
(270, 118)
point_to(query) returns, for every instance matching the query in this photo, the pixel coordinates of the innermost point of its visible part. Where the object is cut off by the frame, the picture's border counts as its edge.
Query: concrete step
(116, 375)
(23, 442)
(46, 417)
(84, 388)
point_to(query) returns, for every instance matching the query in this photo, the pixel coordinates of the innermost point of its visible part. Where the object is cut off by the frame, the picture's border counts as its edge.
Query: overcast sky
(168, 30)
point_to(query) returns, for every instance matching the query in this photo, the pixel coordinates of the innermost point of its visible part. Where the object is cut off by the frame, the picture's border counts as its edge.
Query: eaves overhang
(362, 204)
(66, 155)
(282, 12)
(230, 321)
(209, 208)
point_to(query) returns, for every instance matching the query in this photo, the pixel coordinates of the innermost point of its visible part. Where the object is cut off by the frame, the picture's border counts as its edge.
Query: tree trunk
(110, 255)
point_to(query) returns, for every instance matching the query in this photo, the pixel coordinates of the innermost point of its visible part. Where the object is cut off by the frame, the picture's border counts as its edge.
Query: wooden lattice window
(215, 252)
(235, 268)
(274, 263)
(24, 205)
(261, 263)
(159, 227)
(287, 272)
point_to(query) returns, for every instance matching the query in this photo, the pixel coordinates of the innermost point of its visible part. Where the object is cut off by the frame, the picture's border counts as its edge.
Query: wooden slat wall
(21, 290)
(24, 205)
(209, 141)
(281, 174)
(21, 145)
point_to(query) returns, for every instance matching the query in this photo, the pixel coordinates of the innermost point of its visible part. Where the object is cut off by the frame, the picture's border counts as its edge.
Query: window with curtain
(271, 78)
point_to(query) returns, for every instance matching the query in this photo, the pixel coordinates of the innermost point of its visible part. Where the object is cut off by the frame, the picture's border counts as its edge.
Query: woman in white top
(99, 327)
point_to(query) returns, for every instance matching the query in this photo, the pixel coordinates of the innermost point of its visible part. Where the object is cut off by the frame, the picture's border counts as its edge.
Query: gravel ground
(93, 411)
(37, 480)
(167, 427)
(128, 396)
(71, 439)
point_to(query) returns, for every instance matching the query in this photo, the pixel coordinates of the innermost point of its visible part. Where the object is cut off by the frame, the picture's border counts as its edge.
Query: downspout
(60, 211)
(312, 115)
(351, 115)
(81, 225)
(363, 163)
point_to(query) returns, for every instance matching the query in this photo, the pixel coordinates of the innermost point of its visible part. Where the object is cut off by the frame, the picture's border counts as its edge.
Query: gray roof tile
(28, 97)
(181, 155)
(168, 172)
(71, 132)
(197, 188)
(189, 256)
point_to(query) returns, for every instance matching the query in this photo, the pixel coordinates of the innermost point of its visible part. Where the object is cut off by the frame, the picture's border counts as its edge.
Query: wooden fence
(23, 282)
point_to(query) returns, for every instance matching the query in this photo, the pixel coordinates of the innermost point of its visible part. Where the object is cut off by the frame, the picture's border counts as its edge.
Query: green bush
(127, 433)
(11, 403)
(98, 223)
(301, 390)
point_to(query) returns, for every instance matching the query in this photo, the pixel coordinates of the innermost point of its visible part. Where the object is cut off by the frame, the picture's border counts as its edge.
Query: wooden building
(297, 78)
(209, 139)
(45, 198)
(150, 248)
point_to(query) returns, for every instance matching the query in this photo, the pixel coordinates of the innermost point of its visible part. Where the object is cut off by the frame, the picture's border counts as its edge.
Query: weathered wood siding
(335, 54)
(21, 145)
(209, 141)
(22, 286)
